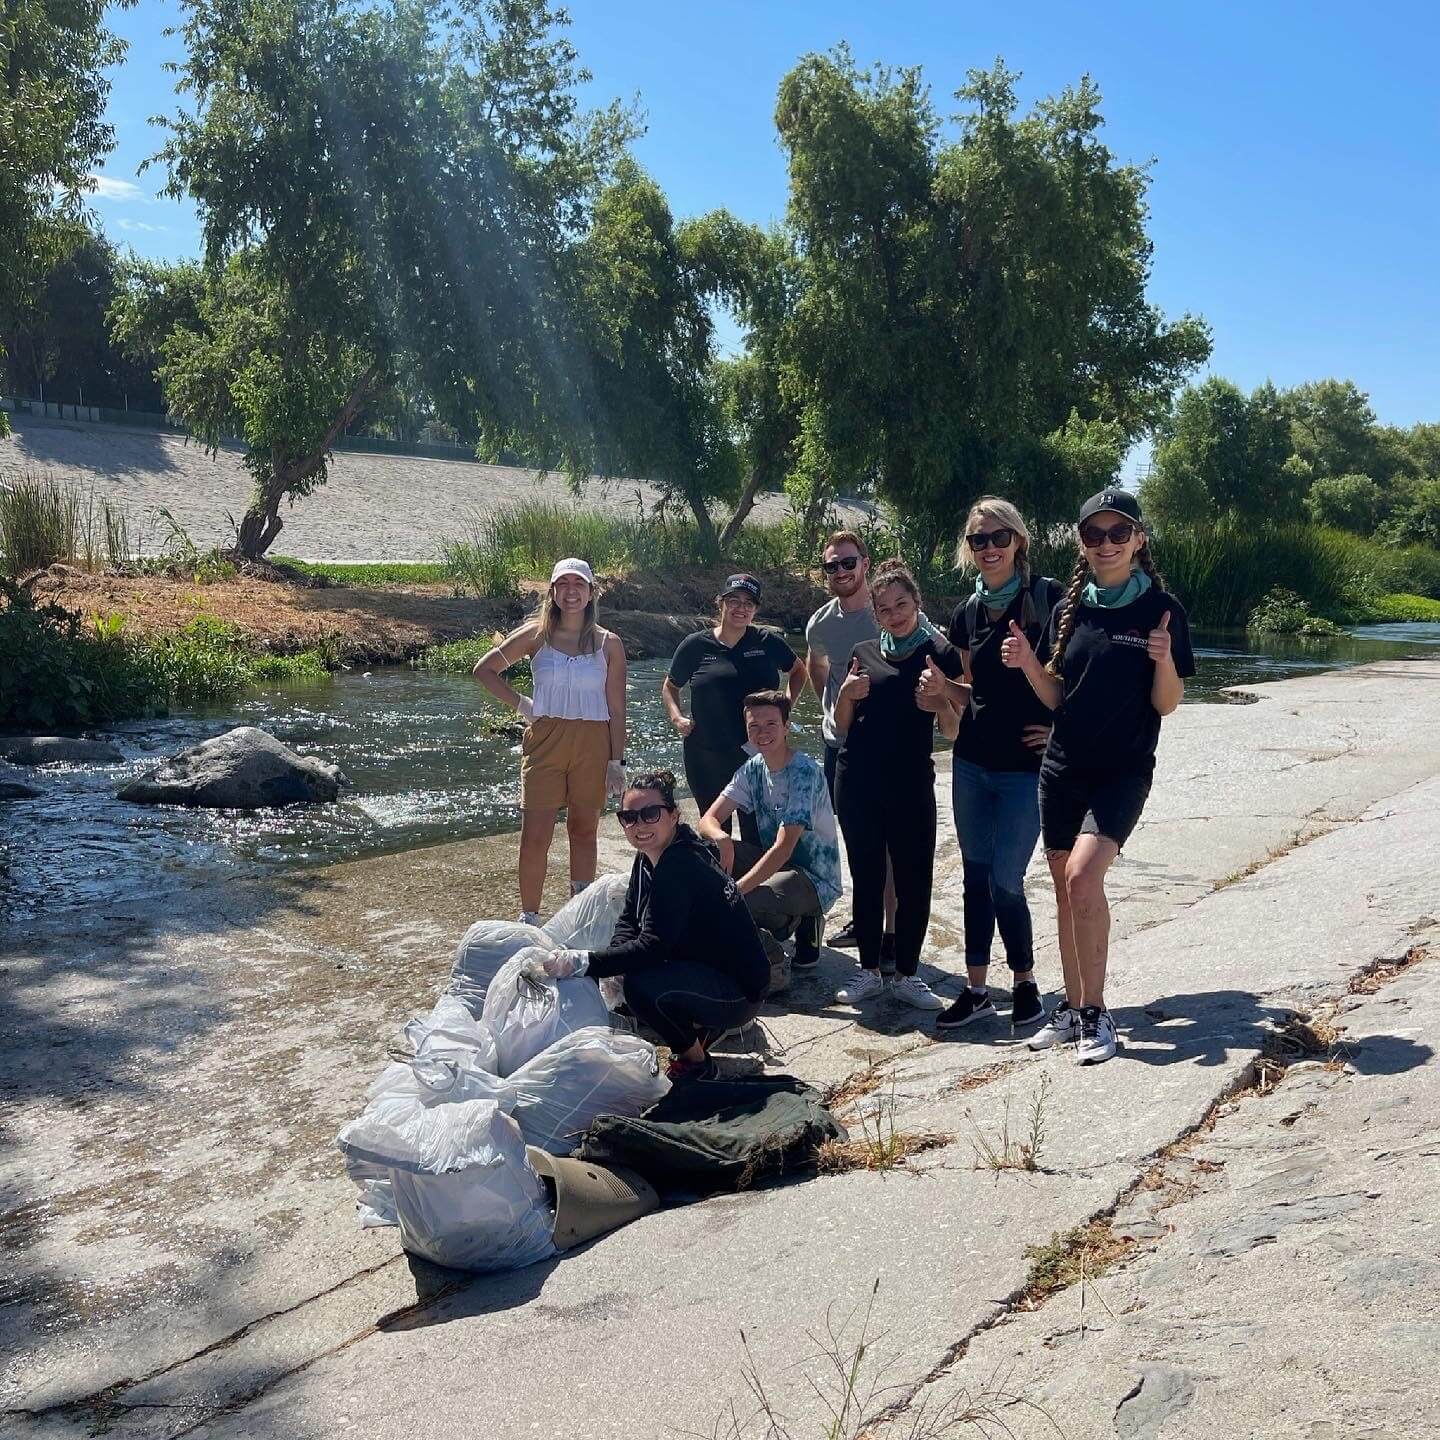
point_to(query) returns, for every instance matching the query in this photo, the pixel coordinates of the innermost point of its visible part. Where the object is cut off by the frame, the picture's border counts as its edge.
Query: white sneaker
(530, 917)
(1061, 1028)
(862, 987)
(1097, 1036)
(914, 991)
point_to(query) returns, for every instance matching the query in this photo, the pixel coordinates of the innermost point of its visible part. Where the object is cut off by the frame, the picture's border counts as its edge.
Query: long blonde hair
(589, 627)
(1009, 517)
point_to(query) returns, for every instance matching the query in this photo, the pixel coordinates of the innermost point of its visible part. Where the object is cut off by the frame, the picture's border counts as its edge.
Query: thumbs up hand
(1015, 650)
(1157, 643)
(856, 685)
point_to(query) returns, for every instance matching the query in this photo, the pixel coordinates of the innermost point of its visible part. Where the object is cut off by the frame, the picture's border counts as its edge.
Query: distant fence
(149, 420)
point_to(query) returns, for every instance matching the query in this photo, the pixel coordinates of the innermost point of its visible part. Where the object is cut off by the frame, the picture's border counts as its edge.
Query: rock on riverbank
(244, 769)
(57, 750)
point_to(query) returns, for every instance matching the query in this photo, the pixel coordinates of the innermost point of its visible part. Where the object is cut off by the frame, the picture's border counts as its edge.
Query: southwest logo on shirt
(1135, 638)
(751, 654)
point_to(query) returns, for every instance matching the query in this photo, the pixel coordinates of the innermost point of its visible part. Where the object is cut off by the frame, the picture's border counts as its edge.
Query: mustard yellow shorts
(562, 762)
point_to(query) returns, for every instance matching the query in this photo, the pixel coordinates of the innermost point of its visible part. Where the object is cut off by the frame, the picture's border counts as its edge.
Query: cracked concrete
(181, 1254)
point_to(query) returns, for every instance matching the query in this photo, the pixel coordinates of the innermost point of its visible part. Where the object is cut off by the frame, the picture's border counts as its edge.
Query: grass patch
(882, 1145)
(44, 522)
(360, 576)
(1073, 1257)
(1404, 608)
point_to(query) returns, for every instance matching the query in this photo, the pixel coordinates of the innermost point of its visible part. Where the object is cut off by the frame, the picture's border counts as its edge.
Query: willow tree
(387, 190)
(972, 312)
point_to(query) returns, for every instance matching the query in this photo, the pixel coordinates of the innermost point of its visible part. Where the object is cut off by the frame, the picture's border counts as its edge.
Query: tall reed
(44, 521)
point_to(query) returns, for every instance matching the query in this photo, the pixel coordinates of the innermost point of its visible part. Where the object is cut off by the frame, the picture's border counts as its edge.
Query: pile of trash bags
(508, 1057)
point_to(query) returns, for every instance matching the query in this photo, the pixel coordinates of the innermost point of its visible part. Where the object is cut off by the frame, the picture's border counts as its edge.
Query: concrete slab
(181, 1230)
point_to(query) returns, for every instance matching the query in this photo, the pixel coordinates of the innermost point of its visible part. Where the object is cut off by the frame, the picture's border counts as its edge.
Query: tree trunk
(261, 523)
(742, 511)
(709, 540)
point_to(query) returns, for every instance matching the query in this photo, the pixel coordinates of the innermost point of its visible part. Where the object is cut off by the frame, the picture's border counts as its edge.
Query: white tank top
(570, 687)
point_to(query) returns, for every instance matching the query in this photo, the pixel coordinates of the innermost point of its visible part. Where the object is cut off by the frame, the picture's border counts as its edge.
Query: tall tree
(53, 55)
(962, 299)
(387, 191)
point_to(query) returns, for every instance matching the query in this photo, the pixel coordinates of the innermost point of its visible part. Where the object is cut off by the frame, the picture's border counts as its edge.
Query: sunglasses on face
(1092, 535)
(646, 814)
(983, 540)
(846, 562)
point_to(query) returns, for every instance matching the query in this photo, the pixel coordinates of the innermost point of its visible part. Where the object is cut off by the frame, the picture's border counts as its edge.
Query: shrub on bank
(58, 672)
(1283, 612)
(1405, 608)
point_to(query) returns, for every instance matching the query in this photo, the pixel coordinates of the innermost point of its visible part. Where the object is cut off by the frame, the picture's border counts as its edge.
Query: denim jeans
(997, 820)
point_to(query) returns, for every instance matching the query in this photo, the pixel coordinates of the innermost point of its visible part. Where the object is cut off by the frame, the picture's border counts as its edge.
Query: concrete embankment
(182, 1258)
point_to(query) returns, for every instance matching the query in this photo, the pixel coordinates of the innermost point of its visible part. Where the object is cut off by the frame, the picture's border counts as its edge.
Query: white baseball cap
(572, 566)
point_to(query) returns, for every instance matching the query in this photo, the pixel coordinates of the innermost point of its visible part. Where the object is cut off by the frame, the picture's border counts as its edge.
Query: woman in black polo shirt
(885, 779)
(1113, 660)
(722, 666)
(994, 776)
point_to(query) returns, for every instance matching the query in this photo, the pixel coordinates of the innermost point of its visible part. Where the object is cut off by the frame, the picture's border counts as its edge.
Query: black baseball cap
(1123, 502)
(748, 583)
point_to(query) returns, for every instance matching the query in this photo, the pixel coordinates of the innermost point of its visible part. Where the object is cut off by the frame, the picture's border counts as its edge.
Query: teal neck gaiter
(1112, 597)
(893, 649)
(999, 598)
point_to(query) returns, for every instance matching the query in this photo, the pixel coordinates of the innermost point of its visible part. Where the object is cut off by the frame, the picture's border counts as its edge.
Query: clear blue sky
(1296, 196)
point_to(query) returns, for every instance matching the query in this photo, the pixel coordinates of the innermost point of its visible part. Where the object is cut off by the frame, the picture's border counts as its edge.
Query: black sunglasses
(845, 562)
(1000, 539)
(649, 814)
(1093, 535)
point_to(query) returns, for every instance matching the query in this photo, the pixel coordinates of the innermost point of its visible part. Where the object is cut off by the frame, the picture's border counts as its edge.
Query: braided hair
(1070, 608)
(1146, 562)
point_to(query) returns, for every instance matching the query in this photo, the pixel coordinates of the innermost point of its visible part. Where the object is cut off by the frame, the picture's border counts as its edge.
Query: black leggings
(708, 772)
(893, 815)
(683, 1001)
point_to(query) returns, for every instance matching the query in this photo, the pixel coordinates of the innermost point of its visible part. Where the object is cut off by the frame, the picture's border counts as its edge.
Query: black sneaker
(808, 937)
(966, 1010)
(844, 938)
(1025, 1006)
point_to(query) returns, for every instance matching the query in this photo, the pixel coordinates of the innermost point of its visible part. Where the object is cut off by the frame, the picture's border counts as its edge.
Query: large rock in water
(243, 769)
(12, 787)
(57, 750)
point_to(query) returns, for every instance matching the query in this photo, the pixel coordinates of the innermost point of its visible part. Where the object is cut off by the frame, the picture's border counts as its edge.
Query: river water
(423, 771)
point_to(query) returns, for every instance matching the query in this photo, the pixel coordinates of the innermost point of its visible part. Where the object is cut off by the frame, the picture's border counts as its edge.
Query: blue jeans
(997, 819)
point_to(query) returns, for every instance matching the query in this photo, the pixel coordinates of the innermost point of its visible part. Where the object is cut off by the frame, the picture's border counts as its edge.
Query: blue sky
(1296, 195)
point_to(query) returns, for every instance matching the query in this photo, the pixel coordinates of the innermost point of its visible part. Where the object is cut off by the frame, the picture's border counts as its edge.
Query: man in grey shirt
(835, 629)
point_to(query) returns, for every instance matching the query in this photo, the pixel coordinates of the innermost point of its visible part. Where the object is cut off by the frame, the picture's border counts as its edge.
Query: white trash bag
(587, 921)
(528, 1011)
(486, 946)
(464, 1193)
(594, 1071)
(450, 1029)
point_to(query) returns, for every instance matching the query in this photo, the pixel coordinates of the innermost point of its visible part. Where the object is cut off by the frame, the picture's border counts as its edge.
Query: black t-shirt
(721, 676)
(889, 733)
(1106, 722)
(1002, 702)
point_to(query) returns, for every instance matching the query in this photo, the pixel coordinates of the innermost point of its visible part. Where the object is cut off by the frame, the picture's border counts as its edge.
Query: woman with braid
(1114, 659)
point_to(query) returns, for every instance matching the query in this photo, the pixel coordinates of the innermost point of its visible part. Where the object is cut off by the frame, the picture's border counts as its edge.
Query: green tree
(390, 194)
(960, 300)
(1333, 429)
(1221, 452)
(1348, 502)
(52, 135)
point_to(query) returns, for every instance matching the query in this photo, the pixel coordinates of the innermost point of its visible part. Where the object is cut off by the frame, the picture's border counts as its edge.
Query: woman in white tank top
(574, 747)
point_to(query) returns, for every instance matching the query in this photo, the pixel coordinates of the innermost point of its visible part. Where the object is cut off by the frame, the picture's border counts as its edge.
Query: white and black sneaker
(1097, 1036)
(972, 1005)
(1062, 1028)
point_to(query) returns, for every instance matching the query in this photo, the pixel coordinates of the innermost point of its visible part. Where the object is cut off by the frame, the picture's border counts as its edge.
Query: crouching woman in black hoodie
(691, 958)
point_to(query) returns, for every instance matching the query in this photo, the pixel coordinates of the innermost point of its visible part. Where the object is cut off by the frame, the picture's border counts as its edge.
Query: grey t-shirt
(834, 634)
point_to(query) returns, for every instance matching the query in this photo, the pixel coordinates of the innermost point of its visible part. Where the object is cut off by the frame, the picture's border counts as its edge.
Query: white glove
(562, 964)
(526, 709)
(615, 778)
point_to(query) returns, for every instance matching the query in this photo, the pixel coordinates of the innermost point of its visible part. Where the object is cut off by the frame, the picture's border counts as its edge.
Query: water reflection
(424, 770)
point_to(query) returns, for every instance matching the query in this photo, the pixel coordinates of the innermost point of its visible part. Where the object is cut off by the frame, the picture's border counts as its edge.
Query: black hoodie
(685, 908)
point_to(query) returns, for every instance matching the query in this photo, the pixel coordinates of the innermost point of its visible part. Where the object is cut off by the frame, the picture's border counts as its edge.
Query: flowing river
(424, 770)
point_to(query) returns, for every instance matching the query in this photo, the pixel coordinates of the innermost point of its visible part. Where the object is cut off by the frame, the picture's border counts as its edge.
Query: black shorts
(1073, 803)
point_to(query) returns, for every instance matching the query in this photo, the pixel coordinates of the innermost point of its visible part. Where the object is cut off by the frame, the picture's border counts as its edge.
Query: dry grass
(1007, 1151)
(882, 1145)
(1382, 972)
(1072, 1257)
(862, 1082)
(1274, 853)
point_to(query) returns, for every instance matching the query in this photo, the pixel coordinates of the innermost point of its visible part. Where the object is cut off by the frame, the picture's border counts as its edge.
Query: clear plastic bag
(486, 946)
(594, 1071)
(529, 1012)
(464, 1194)
(450, 1029)
(587, 921)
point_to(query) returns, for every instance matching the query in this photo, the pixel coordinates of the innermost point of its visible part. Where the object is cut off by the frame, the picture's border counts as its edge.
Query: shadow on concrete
(442, 1295)
(1206, 1028)
(106, 449)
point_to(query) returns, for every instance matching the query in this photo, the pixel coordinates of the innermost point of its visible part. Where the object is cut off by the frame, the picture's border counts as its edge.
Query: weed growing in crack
(1382, 972)
(1012, 1152)
(882, 1145)
(1086, 1252)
